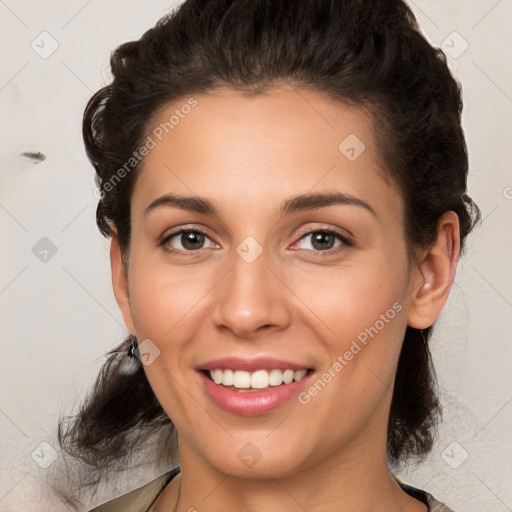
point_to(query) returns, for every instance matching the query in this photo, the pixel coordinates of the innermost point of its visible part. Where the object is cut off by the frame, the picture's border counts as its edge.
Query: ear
(434, 273)
(120, 283)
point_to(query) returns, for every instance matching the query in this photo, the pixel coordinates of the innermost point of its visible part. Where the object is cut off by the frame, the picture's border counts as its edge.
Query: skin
(247, 155)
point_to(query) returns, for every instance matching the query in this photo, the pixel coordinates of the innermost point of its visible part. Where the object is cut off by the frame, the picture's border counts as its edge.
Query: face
(287, 261)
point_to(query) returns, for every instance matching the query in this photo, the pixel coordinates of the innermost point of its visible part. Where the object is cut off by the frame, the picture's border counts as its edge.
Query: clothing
(141, 499)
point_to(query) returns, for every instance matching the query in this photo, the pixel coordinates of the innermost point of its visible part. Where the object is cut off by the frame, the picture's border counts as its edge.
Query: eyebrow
(291, 205)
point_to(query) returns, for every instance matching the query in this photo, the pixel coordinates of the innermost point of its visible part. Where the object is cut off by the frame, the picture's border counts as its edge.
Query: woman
(284, 186)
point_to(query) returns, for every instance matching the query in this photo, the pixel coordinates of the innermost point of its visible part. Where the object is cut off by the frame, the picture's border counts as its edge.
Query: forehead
(231, 145)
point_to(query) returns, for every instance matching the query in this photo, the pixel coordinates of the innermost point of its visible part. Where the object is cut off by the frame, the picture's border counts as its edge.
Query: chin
(247, 457)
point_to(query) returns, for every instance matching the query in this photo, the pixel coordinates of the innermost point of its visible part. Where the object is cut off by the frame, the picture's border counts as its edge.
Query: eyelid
(342, 233)
(187, 227)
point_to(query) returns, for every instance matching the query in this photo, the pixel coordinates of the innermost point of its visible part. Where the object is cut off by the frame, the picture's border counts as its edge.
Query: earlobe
(120, 283)
(433, 275)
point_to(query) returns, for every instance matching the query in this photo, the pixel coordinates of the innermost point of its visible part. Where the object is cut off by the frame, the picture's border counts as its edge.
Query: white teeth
(228, 377)
(275, 377)
(288, 376)
(217, 376)
(299, 374)
(260, 379)
(241, 379)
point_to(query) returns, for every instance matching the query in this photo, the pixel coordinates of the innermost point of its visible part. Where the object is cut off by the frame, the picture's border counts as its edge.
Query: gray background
(58, 313)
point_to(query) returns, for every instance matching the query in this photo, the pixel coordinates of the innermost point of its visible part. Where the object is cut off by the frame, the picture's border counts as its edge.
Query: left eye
(322, 240)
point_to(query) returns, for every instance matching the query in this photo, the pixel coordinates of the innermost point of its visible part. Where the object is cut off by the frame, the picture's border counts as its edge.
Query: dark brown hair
(360, 52)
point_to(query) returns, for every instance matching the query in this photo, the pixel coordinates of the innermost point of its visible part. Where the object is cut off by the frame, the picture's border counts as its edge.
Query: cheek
(350, 299)
(165, 306)
(365, 317)
(359, 309)
(161, 298)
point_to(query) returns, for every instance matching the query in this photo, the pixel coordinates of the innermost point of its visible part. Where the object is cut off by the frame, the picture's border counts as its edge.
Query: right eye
(186, 241)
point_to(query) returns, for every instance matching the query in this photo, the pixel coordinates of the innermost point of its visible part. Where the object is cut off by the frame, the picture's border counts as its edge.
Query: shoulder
(423, 496)
(139, 499)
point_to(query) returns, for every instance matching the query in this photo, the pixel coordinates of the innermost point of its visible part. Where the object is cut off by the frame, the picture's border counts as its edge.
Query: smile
(251, 387)
(260, 379)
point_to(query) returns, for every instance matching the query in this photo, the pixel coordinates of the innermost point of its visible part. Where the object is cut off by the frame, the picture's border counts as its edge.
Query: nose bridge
(250, 296)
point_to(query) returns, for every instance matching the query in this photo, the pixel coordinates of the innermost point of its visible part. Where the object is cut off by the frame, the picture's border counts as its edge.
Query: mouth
(252, 387)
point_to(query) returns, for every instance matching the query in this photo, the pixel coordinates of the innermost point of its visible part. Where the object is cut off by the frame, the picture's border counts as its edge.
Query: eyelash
(345, 241)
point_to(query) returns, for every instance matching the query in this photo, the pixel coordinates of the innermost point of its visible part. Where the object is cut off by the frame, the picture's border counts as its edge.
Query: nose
(251, 299)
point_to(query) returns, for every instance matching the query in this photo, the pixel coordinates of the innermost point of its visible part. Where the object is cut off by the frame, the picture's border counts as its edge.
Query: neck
(352, 482)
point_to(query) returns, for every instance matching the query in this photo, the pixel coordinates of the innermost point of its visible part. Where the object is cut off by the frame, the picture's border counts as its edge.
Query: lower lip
(249, 402)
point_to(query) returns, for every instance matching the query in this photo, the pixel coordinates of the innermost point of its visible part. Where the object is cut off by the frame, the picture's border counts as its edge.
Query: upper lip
(251, 365)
